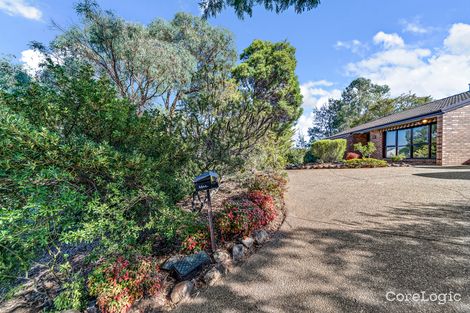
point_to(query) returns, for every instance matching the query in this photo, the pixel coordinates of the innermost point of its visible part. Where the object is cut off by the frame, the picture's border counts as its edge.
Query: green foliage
(398, 158)
(365, 162)
(73, 294)
(99, 148)
(250, 114)
(75, 191)
(366, 150)
(309, 157)
(296, 156)
(329, 150)
(153, 66)
(242, 7)
(362, 101)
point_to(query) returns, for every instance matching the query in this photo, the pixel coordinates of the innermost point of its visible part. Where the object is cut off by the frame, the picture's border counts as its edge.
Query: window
(404, 142)
(416, 142)
(391, 143)
(421, 142)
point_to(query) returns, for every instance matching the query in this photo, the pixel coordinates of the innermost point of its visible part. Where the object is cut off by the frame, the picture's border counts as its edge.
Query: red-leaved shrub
(265, 202)
(241, 217)
(117, 285)
(269, 183)
(352, 156)
(195, 242)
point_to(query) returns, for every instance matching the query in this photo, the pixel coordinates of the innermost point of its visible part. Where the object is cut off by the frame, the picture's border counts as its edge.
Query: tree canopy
(245, 7)
(361, 101)
(153, 66)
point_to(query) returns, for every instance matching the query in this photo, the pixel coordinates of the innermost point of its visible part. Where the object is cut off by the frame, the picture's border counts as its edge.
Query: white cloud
(32, 60)
(458, 40)
(439, 72)
(303, 124)
(415, 27)
(21, 8)
(389, 40)
(314, 96)
(355, 46)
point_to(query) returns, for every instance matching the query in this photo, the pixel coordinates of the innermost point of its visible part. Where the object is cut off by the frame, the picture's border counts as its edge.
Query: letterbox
(206, 181)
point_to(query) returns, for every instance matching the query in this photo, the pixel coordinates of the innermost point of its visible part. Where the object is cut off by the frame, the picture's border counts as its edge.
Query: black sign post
(207, 181)
(209, 216)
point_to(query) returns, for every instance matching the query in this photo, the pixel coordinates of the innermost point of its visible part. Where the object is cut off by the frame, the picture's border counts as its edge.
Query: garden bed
(343, 165)
(245, 215)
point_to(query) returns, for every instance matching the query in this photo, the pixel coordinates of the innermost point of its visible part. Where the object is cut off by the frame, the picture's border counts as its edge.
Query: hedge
(329, 150)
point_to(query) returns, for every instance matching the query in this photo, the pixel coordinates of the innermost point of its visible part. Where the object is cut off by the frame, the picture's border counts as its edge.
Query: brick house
(437, 132)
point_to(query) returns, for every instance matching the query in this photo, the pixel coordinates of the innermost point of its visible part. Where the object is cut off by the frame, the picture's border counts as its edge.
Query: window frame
(411, 145)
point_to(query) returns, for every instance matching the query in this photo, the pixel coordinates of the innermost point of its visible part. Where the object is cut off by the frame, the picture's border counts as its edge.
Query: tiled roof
(435, 107)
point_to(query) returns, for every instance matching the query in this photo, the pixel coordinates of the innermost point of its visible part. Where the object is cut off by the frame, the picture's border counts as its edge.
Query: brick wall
(353, 139)
(456, 137)
(376, 136)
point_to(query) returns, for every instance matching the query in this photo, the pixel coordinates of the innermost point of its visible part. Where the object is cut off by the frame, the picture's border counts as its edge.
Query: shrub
(265, 202)
(242, 216)
(296, 156)
(73, 294)
(352, 155)
(366, 162)
(365, 150)
(273, 184)
(329, 150)
(309, 157)
(195, 242)
(398, 158)
(117, 285)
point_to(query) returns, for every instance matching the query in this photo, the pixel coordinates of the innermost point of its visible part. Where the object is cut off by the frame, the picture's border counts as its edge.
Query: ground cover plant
(365, 162)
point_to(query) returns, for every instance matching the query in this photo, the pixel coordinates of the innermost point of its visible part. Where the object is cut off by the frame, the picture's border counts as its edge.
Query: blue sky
(422, 46)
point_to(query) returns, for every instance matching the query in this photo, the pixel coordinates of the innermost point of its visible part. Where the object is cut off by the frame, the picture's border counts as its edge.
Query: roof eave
(408, 120)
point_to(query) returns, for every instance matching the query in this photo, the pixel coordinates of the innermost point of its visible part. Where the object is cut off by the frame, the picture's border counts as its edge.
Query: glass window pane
(433, 140)
(391, 151)
(421, 150)
(390, 138)
(434, 133)
(420, 134)
(404, 137)
(404, 150)
(433, 150)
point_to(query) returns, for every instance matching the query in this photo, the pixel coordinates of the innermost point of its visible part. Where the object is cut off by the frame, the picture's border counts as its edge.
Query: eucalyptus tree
(154, 66)
(242, 7)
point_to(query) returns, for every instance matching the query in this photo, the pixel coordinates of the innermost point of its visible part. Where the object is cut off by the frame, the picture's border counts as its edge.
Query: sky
(418, 46)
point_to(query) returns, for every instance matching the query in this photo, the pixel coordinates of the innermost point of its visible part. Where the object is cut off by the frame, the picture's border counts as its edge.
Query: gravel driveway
(351, 238)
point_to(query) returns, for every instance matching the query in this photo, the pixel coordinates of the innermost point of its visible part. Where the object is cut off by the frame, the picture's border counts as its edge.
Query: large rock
(221, 256)
(212, 276)
(248, 242)
(260, 236)
(238, 252)
(224, 261)
(181, 291)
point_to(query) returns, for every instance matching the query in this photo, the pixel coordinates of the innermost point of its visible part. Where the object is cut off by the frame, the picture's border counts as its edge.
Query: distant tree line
(360, 102)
